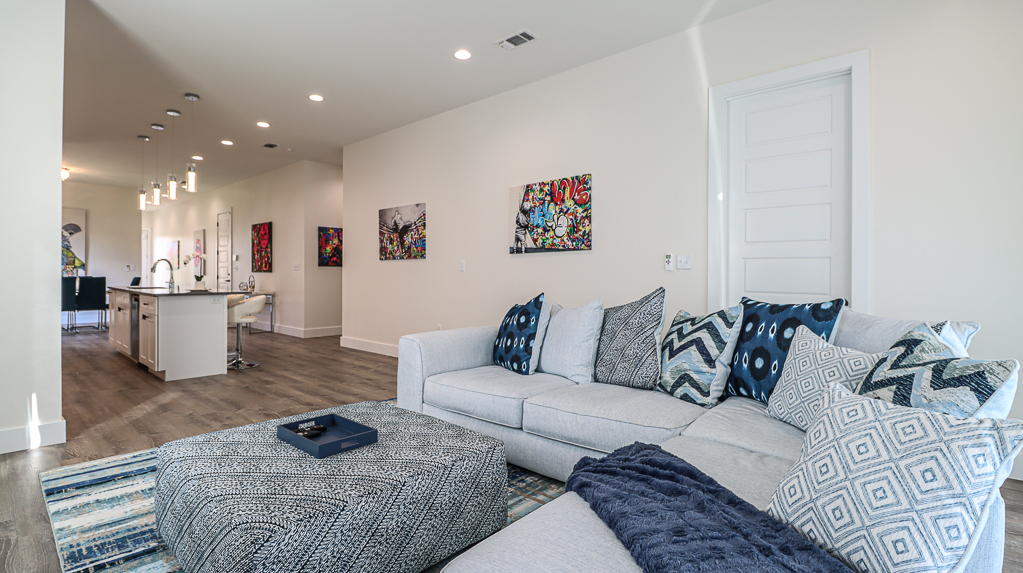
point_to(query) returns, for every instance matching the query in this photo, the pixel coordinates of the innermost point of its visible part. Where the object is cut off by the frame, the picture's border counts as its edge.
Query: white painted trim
(322, 331)
(369, 346)
(857, 64)
(18, 439)
(299, 332)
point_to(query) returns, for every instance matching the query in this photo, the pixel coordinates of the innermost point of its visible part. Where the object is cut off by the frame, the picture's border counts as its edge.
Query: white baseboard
(299, 332)
(369, 346)
(18, 439)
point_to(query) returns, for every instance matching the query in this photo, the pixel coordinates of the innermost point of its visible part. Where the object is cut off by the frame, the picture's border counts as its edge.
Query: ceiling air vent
(269, 145)
(517, 40)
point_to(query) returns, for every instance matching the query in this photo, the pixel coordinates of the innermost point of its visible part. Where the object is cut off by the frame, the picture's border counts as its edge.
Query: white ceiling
(380, 65)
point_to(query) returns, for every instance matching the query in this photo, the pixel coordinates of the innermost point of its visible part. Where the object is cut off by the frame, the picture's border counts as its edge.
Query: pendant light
(142, 189)
(157, 193)
(192, 98)
(172, 181)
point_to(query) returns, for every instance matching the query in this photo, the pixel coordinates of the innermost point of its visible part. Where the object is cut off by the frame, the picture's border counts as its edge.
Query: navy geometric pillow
(764, 339)
(517, 347)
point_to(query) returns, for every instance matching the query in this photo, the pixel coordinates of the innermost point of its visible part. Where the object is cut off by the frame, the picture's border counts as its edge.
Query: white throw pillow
(570, 347)
(886, 488)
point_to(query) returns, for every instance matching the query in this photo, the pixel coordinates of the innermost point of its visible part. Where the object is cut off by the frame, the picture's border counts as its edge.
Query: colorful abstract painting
(403, 232)
(262, 248)
(174, 253)
(72, 242)
(552, 216)
(329, 245)
(198, 249)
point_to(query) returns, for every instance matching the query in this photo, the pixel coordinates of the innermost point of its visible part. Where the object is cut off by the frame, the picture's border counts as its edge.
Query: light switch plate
(296, 267)
(669, 262)
(685, 262)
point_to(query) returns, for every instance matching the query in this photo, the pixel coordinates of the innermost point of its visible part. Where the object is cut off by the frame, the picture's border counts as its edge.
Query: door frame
(856, 65)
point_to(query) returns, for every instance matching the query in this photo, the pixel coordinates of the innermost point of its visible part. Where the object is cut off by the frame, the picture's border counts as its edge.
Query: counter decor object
(327, 435)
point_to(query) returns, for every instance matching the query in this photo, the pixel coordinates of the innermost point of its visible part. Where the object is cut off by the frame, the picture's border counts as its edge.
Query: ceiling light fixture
(262, 124)
(157, 194)
(172, 181)
(463, 54)
(190, 175)
(227, 142)
(64, 173)
(315, 97)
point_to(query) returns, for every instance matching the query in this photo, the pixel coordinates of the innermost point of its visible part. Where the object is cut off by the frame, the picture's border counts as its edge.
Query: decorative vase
(200, 285)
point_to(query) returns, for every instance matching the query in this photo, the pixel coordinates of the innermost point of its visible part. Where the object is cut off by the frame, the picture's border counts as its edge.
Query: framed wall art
(403, 232)
(262, 248)
(552, 216)
(329, 246)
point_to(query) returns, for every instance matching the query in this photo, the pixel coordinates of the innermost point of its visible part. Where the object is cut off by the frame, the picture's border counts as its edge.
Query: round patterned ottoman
(242, 500)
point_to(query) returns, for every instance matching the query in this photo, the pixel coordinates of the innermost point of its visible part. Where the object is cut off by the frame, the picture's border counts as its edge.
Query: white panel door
(223, 252)
(789, 193)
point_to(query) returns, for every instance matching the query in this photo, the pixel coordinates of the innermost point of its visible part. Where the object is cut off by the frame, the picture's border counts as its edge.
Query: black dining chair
(92, 295)
(136, 281)
(68, 302)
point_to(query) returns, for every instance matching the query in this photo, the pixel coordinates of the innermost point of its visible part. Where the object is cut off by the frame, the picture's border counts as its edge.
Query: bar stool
(241, 311)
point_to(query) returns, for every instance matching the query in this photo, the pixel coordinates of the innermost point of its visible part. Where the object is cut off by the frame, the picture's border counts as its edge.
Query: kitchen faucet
(170, 284)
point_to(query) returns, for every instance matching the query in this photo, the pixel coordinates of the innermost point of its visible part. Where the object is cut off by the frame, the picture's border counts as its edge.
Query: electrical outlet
(438, 327)
(669, 262)
(685, 262)
(296, 267)
(461, 266)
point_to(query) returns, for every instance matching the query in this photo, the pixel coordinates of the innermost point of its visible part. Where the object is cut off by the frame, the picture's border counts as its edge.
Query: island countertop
(178, 291)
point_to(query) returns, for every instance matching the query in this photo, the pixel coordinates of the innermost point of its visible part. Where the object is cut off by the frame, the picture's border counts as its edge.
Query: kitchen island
(176, 334)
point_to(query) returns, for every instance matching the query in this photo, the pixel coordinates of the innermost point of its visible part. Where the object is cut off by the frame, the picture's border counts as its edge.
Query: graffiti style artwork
(329, 247)
(262, 248)
(552, 216)
(403, 232)
(72, 242)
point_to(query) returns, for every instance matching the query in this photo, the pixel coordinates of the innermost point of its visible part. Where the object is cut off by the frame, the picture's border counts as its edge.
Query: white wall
(31, 120)
(285, 197)
(945, 170)
(323, 208)
(113, 223)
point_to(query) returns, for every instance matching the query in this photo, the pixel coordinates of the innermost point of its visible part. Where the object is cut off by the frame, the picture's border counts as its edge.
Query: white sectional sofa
(548, 423)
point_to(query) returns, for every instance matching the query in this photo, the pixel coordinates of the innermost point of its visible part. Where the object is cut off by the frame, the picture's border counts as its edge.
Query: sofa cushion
(812, 367)
(570, 345)
(868, 333)
(630, 342)
(489, 393)
(696, 355)
(744, 423)
(919, 371)
(764, 339)
(520, 337)
(604, 417)
(563, 536)
(888, 488)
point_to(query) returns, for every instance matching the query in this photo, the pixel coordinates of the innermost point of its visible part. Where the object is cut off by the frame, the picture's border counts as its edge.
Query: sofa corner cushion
(520, 337)
(812, 367)
(570, 345)
(922, 483)
(695, 355)
(490, 393)
(871, 334)
(920, 371)
(628, 353)
(563, 536)
(744, 423)
(604, 417)
(767, 330)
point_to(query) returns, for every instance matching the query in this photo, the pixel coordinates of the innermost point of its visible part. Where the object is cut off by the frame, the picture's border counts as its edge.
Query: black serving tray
(342, 435)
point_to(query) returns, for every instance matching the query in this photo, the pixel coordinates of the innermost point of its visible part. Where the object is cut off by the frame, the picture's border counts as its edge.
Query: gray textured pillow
(628, 353)
(887, 488)
(811, 368)
(570, 346)
(869, 333)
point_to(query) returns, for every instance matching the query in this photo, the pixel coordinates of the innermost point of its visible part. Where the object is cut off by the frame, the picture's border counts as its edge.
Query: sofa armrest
(423, 355)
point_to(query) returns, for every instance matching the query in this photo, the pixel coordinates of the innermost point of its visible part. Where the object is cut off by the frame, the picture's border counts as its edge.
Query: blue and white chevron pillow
(696, 353)
(920, 371)
(887, 488)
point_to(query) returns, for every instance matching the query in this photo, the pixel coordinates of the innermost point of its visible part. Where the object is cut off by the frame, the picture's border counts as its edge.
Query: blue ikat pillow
(764, 338)
(520, 337)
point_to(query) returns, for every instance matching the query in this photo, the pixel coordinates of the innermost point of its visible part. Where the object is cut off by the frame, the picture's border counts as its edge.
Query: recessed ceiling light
(156, 126)
(262, 124)
(315, 97)
(227, 142)
(197, 157)
(463, 54)
(173, 112)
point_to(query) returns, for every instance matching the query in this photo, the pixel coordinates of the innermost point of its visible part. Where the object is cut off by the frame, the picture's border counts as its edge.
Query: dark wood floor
(112, 407)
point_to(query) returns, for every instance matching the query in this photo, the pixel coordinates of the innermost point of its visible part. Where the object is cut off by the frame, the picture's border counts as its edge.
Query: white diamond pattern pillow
(887, 488)
(812, 367)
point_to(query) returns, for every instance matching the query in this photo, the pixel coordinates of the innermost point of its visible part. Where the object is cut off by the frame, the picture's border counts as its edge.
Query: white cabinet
(120, 322)
(148, 330)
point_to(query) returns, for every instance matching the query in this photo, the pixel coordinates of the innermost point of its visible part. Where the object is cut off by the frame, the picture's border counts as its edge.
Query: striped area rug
(103, 518)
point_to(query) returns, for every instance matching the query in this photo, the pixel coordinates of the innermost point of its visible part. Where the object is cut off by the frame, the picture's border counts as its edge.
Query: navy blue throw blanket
(674, 518)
